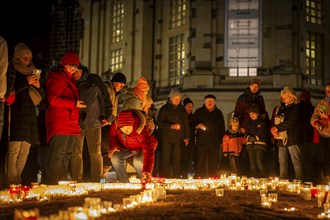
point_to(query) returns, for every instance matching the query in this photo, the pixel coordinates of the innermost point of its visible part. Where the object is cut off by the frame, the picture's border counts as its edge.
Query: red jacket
(62, 115)
(139, 139)
(232, 143)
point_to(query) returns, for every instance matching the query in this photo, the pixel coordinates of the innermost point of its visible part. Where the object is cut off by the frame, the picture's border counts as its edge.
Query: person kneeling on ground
(130, 137)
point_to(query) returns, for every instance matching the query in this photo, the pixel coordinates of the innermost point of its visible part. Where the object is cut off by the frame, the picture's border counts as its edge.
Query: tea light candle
(266, 202)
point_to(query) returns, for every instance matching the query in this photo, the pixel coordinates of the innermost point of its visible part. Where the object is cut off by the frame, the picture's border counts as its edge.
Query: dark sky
(26, 21)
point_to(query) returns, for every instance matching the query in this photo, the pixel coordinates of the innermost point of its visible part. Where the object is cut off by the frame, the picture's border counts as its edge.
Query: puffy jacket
(139, 139)
(232, 142)
(62, 116)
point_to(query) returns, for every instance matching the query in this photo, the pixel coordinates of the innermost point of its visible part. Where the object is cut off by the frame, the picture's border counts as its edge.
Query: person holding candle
(130, 137)
(210, 128)
(320, 120)
(174, 133)
(292, 124)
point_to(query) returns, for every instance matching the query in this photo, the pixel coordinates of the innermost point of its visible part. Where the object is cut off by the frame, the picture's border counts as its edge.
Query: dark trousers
(233, 163)
(171, 154)
(31, 168)
(187, 160)
(60, 150)
(256, 158)
(325, 148)
(208, 156)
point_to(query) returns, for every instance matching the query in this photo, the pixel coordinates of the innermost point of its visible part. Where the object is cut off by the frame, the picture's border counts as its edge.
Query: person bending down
(130, 137)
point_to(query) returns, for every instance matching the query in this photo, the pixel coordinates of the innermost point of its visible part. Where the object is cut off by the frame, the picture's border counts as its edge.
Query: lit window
(315, 58)
(177, 13)
(314, 11)
(243, 72)
(176, 60)
(116, 61)
(117, 21)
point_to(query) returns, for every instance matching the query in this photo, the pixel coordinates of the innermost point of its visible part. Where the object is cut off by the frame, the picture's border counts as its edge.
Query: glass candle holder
(263, 192)
(219, 192)
(273, 196)
(266, 202)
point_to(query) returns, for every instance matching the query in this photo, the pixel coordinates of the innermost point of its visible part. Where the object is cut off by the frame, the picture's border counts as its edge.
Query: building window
(176, 60)
(314, 11)
(177, 13)
(243, 72)
(116, 63)
(315, 58)
(117, 21)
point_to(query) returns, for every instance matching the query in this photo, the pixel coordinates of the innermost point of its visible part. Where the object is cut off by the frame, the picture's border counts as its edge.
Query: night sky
(27, 22)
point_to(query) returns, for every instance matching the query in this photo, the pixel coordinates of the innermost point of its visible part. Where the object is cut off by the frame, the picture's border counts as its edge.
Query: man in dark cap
(114, 87)
(210, 128)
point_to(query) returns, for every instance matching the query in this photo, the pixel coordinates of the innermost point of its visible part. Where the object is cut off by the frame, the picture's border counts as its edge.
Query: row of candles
(94, 207)
(18, 193)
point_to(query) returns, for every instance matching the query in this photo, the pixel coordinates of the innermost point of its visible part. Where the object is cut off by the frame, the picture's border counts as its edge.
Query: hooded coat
(62, 115)
(139, 139)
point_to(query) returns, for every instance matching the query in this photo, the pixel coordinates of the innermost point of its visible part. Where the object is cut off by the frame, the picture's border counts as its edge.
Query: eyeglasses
(73, 65)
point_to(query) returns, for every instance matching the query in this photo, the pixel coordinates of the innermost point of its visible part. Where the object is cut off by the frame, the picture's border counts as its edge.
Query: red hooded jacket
(139, 139)
(62, 116)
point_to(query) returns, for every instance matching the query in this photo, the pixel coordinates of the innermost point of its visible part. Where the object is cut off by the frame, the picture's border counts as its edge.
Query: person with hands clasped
(62, 117)
(174, 133)
(130, 137)
(320, 120)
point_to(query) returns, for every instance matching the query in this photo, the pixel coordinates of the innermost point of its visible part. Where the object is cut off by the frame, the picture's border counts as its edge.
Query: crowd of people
(68, 124)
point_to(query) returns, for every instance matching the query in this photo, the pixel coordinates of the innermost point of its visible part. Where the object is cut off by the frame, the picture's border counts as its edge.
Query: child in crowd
(232, 143)
(256, 139)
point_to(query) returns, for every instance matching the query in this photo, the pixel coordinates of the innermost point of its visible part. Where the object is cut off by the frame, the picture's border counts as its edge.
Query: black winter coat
(307, 110)
(168, 115)
(23, 120)
(214, 123)
(93, 92)
(244, 102)
(292, 124)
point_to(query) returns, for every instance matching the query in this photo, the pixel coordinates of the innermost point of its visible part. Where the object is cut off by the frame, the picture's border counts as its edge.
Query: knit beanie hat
(254, 109)
(187, 101)
(125, 118)
(255, 81)
(119, 77)
(70, 57)
(175, 92)
(305, 96)
(21, 49)
(142, 84)
(210, 96)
